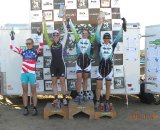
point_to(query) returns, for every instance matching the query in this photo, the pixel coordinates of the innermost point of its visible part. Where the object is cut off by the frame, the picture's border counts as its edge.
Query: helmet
(56, 33)
(107, 35)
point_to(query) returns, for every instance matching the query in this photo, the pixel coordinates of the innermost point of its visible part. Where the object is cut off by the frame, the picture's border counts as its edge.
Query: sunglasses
(56, 35)
(28, 44)
(106, 38)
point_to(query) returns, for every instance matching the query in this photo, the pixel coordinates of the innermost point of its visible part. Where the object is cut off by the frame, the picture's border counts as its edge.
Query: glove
(12, 33)
(68, 25)
(39, 32)
(124, 24)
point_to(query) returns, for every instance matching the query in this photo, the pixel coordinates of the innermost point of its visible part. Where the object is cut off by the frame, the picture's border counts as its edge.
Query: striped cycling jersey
(29, 57)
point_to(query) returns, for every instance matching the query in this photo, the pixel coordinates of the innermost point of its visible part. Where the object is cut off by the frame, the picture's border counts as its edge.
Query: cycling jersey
(57, 66)
(105, 69)
(83, 49)
(29, 57)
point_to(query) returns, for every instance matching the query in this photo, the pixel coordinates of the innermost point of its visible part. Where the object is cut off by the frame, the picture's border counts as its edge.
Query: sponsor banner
(47, 4)
(93, 4)
(39, 62)
(82, 15)
(40, 86)
(36, 16)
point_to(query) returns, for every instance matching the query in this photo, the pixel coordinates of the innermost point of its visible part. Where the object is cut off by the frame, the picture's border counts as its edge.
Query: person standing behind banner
(105, 69)
(83, 63)
(29, 57)
(57, 67)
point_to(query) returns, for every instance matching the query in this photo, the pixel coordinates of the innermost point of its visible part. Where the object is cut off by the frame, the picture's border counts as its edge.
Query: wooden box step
(111, 114)
(86, 107)
(50, 110)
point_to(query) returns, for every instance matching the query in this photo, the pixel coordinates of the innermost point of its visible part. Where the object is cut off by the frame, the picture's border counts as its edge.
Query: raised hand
(101, 18)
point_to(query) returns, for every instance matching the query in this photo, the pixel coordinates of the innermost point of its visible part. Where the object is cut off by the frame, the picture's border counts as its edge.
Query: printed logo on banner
(82, 4)
(107, 25)
(93, 4)
(105, 3)
(119, 82)
(39, 85)
(36, 26)
(47, 4)
(119, 48)
(48, 15)
(116, 24)
(118, 71)
(50, 27)
(118, 59)
(71, 84)
(36, 16)
(57, 3)
(93, 15)
(48, 85)
(39, 62)
(46, 50)
(71, 4)
(39, 73)
(82, 15)
(36, 5)
(94, 70)
(71, 72)
(46, 74)
(107, 12)
(47, 61)
(115, 3)
(116, 13)
(36, 39)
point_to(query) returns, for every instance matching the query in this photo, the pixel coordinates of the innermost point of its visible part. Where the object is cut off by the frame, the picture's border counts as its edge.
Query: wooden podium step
(86, 107)
(50, 110)
(111, 114)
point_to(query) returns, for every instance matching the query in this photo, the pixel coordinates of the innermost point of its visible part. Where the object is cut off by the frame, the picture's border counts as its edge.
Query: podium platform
(98, 114)
(50, 110)
(86, 107)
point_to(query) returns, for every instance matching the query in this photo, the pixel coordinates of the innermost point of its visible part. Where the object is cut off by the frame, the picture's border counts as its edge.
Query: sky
(145, 12)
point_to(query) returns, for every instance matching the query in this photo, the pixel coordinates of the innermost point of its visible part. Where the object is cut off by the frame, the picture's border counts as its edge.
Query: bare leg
(62, 80)
(108, 84)
(25, 94)
(85, 79)
(98, 89)
(54, 82)
(34, 95)
(78, 82)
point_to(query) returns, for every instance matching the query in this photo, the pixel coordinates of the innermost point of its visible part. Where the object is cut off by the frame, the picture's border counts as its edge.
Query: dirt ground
(137, 116)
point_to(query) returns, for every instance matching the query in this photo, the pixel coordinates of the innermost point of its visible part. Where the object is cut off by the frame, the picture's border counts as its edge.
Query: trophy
(12, 33)
(61, 11)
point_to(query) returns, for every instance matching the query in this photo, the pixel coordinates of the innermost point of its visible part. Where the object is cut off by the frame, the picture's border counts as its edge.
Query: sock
(78, 93)
(56, 97)
(64, 96)
(34, 107)
(84, 93)
(106, 100)
(25, 107)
